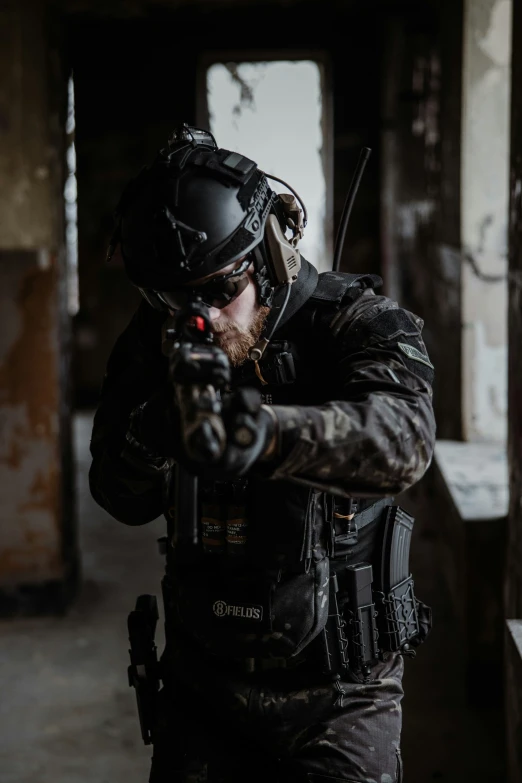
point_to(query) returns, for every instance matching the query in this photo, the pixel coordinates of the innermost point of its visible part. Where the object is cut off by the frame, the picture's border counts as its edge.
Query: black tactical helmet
(195, 210)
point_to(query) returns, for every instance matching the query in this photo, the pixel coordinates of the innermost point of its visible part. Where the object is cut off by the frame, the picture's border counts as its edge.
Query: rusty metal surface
(26, 156)
(37, 541)
(30, 548)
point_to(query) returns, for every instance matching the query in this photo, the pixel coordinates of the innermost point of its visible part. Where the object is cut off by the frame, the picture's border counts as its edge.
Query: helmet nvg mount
(197, 209)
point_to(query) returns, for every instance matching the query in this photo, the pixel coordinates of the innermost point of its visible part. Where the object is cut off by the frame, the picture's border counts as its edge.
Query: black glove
(199, 364)
(248, 429)
(154, 431)
(198, 372)
(217, 438)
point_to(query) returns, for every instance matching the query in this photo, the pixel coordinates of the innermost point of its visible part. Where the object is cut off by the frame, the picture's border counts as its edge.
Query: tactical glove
(198, 373)
(248, 431)
(154, 430)
(222, 434)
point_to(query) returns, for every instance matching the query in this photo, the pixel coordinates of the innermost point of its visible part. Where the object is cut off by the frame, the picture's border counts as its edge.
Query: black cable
(281, 312)
(348, 204)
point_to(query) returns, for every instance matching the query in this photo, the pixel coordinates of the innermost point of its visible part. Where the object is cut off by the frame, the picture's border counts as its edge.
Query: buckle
(348, 520)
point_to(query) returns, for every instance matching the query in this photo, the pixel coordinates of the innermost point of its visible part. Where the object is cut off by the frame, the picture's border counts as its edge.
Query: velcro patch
(414, 353)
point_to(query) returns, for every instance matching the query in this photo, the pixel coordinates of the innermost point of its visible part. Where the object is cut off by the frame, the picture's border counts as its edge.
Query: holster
(143, 671)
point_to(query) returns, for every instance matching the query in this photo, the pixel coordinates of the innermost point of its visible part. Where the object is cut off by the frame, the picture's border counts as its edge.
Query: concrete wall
(514, 571)
(513, 585)
(36, 539)
(445, 200)
(420, 190)
(484, 214)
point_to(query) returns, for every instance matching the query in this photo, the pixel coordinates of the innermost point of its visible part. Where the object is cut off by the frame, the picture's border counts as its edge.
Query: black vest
(263, 592)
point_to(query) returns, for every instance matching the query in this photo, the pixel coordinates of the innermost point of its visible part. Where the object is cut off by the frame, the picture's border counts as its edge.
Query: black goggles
(218, 292)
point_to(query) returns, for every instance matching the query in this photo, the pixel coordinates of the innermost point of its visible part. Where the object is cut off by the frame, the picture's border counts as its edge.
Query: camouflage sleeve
(378, 437)
(125, 480)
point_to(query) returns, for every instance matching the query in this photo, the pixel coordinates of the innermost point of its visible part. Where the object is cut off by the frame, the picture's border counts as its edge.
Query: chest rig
(283, 565)
(288, 374)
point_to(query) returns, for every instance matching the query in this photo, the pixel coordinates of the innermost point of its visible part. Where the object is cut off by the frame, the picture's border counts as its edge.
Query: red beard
(235, 341)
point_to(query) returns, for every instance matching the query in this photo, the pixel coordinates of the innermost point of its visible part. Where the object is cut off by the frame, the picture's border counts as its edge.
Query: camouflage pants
(279, 726)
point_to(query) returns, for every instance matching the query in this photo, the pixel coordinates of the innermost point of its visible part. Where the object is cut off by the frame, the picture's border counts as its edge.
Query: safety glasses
(218, 292)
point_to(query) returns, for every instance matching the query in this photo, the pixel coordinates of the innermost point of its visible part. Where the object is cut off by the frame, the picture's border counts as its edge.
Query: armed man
(271, 414)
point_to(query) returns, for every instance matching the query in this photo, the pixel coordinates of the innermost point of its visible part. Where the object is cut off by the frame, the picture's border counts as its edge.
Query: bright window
(273, 112)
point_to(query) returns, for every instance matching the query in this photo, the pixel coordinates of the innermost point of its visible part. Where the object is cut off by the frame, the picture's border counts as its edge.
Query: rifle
(186, 339)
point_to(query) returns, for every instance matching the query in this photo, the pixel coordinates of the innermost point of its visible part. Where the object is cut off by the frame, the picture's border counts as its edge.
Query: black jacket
(362, 399)
(362, 427)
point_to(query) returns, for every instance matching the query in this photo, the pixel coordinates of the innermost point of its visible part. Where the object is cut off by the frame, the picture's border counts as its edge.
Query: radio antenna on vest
(348, 204)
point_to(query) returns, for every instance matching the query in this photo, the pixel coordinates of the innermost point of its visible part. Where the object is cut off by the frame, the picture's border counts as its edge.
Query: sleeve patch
(414, 353)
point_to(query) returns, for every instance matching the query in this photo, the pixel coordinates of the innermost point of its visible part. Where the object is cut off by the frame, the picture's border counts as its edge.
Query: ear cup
(293, 217)
(286, 259)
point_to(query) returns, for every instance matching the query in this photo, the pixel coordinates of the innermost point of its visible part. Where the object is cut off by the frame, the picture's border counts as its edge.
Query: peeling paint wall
(33, 354)
(29, 479)
(484, 214)
(445, 191)
(513, 579)
(514, 569)
(420, 187)
(25, 157)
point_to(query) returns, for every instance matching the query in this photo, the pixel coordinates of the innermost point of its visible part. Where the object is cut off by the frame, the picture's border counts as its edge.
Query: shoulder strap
(333, 286)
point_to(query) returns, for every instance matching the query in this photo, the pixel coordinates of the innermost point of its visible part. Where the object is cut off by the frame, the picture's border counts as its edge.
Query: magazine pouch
(403, 621)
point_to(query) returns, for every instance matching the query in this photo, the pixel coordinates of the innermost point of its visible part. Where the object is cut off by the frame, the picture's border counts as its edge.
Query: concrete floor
(68, 716)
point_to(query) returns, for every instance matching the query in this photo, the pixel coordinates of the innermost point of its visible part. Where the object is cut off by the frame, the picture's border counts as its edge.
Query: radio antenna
(348, 204)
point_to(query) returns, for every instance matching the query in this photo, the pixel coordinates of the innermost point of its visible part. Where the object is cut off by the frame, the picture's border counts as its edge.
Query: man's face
(238, 326)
